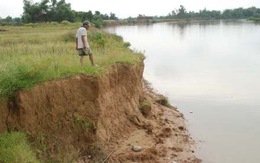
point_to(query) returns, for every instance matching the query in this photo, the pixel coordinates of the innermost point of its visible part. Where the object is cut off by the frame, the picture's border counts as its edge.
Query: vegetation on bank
(15, 147)
(36, 53)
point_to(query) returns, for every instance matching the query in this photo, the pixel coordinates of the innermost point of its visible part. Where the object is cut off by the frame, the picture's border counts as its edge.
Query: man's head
(86, 24)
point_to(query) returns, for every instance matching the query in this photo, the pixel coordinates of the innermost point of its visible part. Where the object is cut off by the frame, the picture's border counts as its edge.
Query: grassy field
(35, 53)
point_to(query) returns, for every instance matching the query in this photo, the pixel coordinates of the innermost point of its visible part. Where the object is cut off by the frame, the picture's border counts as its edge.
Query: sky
(132, 8)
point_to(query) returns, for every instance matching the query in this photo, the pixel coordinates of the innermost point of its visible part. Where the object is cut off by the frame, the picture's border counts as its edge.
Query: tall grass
(15, 148)
(40, 52)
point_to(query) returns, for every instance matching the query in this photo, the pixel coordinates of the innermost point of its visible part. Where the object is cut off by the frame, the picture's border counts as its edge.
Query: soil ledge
(112, 117)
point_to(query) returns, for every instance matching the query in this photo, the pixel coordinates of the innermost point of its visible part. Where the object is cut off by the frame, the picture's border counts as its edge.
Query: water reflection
(211, 68)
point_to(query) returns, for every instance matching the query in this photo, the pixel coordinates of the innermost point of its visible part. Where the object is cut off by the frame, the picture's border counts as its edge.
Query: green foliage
(163, 101)
(181, 12)
(237, 13)
(59, 10)
(19, 76)
(99, 39)
(255, 18)
(15, 148)
(65, 22)
(127, 44)
(116, 37)
(81, 121)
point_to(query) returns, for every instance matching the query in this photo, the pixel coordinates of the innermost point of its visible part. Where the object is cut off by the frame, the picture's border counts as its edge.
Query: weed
(145, 108)
(81, 121)
(163, 101)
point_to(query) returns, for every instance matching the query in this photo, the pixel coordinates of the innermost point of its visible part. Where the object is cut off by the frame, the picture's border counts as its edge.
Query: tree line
(238, 13)
(59, 10)
(55, 11)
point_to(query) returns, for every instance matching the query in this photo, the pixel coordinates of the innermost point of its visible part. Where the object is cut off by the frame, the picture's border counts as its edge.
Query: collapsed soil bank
(92, 115)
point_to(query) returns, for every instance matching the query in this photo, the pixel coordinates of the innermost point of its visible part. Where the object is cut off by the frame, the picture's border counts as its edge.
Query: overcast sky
(124, 9)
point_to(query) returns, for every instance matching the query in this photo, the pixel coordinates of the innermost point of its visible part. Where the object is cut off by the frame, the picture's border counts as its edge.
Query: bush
(163, 101)
(145, 108)
(99, 39)
(15, 148)
(127, 44)
(65, 22)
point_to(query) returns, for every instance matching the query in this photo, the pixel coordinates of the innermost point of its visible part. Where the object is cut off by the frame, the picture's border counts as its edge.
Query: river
(211, 72)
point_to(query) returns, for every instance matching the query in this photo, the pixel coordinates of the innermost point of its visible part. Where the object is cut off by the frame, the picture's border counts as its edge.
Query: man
(82, 44)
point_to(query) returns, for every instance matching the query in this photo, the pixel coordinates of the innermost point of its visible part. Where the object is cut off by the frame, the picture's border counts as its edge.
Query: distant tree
(237, 13)
(181, 12)
(64, 11)
(10, 21)
(227, 14)
(250, 11)
(173, 13)
(35, 12)
(17, 21)
(97, 13)
(39, 12)
(113, 16)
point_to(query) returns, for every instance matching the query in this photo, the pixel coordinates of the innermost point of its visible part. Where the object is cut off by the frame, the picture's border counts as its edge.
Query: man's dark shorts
(84, 52)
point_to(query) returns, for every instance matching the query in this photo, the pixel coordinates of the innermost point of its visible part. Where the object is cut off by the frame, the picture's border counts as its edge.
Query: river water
(211, 72)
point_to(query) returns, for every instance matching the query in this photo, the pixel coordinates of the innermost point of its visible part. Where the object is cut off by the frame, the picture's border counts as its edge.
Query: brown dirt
(98, 119)
(163, 136)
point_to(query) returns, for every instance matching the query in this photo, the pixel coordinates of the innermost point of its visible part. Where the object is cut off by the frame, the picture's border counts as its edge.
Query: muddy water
(211, 72)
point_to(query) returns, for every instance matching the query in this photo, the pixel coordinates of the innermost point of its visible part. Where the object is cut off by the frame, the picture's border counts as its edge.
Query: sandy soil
(163, 137)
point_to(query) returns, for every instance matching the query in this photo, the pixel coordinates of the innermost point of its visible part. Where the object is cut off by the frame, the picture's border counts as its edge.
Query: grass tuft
(14, 147)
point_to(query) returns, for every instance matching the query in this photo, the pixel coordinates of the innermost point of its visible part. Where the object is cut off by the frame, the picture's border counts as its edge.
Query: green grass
(256, 18)
(15, 148)
(36, 53)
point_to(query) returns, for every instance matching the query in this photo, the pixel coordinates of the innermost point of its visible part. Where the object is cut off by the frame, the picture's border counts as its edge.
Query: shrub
(163, 101)
(99, 39)
(65, 22)
(127, 44)
(116, 37)
(145, 108)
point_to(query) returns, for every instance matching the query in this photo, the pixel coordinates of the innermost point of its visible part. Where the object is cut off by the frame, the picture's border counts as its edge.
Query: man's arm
(83, 38)
(76, 43)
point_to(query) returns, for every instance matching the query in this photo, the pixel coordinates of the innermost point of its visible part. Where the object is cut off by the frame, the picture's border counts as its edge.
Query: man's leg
(81, 60)
(91, 59)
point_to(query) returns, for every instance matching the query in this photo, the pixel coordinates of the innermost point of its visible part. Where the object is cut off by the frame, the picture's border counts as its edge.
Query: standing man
(82, 44)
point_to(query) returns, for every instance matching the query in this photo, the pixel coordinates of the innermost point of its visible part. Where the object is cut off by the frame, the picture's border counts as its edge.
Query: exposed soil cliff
(98, 119)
